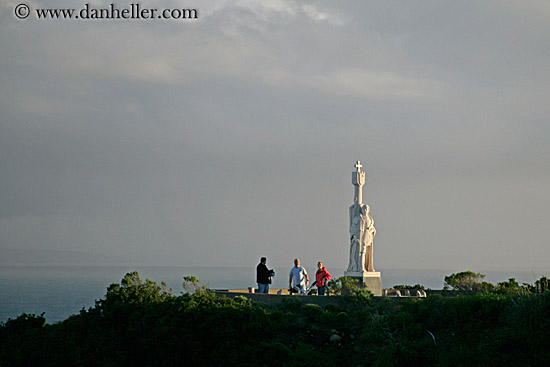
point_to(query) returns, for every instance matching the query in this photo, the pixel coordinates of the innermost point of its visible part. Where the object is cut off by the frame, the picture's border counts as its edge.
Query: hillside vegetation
(143, 323)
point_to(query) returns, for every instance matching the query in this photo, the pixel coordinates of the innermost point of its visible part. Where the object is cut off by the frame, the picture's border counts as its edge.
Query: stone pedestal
(371, 280)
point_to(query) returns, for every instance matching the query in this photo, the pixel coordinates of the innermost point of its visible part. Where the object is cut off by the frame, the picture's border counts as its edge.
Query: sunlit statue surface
(361, 228)
(361, 234)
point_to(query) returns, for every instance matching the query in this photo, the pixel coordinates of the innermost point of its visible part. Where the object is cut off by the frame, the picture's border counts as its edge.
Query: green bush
(350, 290)
(142, 323)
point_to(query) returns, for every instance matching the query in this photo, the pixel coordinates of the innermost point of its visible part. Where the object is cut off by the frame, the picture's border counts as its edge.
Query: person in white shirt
(298, 276)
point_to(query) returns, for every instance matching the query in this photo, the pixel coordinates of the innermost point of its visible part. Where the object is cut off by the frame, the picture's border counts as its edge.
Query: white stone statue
(356, 234)
(361, 228)
(370, 232)
(357, 227)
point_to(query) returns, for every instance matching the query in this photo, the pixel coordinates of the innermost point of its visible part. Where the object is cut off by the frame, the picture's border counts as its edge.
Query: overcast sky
(233, 136)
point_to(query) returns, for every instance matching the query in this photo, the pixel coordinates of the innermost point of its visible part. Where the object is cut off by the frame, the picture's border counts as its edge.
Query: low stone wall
(278, 295)
(274, 298)
(404, 293)
(278, 291)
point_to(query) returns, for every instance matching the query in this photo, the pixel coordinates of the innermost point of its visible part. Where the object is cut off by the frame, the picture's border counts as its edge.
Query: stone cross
(358, 180)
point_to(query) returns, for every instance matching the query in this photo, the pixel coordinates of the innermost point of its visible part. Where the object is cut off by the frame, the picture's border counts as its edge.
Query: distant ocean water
(61, 291)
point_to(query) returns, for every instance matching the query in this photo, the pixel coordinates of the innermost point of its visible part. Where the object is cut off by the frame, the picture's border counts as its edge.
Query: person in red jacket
(322, 277)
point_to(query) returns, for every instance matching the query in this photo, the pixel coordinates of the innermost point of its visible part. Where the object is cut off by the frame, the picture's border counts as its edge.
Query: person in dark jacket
(263, 276)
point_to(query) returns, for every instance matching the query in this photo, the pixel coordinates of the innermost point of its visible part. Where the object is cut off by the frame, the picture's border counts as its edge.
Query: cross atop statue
(358, 180)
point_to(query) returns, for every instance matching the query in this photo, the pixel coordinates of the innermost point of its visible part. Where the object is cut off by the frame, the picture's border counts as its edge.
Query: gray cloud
(231, 137)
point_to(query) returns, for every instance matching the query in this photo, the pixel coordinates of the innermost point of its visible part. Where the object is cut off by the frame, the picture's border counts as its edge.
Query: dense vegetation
(143, 323)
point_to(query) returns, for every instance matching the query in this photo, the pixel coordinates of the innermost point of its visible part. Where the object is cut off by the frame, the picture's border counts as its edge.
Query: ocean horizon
(62, 291)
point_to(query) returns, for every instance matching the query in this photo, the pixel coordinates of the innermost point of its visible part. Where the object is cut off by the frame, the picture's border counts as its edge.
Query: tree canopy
(466, 282)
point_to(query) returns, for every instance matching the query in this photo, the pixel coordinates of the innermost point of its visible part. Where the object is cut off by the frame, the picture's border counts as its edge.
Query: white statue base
(371, 280)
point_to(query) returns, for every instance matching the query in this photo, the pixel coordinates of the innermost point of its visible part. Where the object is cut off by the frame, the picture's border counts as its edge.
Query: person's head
(320, 264)
(297, 262)
(263, 260)
(364, 209)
